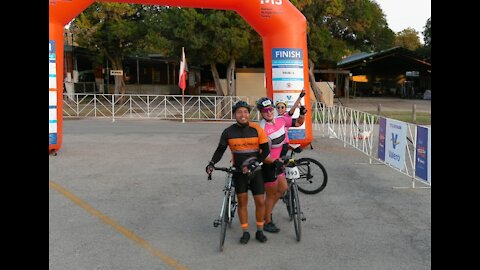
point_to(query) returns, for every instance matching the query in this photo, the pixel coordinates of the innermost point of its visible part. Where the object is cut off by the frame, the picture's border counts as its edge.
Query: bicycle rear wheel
(223, 221)
(313, 176)
(296, 212)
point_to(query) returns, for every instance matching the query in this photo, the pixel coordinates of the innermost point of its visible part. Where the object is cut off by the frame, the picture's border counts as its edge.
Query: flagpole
(183, 97)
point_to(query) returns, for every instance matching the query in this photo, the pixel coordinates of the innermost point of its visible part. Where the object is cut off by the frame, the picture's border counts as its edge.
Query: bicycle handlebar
(231, 170)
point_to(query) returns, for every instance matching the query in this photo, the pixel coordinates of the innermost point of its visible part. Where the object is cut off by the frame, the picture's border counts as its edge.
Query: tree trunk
(231, 78)
(216, 79)
(119, 79)
(313, 85)
(218, 87)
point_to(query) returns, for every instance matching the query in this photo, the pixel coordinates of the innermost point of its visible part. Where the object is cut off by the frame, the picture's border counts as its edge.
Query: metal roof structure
(396, 55)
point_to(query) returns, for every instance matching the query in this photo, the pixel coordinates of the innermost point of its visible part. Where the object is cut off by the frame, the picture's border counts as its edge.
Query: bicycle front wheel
(313, 176)
(233, 208)
(297, 214)
(223, 221)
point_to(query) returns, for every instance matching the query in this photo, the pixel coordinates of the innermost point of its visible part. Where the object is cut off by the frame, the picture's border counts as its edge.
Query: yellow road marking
(137, 239)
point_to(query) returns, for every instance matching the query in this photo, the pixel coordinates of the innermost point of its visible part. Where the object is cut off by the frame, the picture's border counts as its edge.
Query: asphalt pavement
(133, 194)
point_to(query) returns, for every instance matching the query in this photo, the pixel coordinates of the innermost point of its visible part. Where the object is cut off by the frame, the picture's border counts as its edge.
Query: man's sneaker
(271, 227)
(260, 237)
(245, 237)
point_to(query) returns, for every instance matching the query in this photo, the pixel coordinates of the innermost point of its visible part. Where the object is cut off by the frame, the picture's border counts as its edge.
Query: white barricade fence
(153, 106)
(387, 141)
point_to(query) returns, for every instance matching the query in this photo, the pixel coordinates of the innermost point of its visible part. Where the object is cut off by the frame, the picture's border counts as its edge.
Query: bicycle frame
(293, 202)
(229, 196)
(229, 205)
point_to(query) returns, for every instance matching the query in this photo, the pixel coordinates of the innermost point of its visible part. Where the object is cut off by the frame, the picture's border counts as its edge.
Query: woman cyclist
(274, 180)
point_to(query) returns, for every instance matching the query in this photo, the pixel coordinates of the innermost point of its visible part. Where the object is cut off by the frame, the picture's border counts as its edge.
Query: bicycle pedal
(216, 223)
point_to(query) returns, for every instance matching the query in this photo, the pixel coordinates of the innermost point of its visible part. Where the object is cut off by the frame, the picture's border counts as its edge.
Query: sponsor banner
(287, 69)
(287, 83)
(395, 143)
(297, 133)
(52, 66)
(423, 153)
(381, 139)
(290, 98)
(52, 138)
(52, 117)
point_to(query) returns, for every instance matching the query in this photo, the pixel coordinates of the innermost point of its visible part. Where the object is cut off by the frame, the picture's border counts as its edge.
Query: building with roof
(393, 72)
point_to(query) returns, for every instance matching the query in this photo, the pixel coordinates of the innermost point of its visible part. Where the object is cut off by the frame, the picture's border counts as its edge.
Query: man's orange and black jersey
(244, 142)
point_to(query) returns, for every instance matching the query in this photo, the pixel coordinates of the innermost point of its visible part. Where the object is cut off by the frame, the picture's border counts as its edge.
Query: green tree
(209, 37)
(427, 33)
(338, 28)
(408, 38)
(113, 30)
(426, 49)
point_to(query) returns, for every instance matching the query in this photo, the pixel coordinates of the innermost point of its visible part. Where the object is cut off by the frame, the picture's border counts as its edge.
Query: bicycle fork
(302, 216)
(218, 221)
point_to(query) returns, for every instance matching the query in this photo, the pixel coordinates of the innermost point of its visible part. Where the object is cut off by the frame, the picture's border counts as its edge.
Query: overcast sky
(402, 14)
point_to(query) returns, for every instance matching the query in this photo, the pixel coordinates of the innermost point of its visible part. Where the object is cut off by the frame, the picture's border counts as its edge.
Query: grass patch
(423, 118)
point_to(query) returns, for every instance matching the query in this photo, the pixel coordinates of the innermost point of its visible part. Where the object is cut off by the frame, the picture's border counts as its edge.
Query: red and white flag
(182, 75)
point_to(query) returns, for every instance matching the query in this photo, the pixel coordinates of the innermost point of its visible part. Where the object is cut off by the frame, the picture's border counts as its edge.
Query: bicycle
(313, 176)
(292, 174)
(229, 205)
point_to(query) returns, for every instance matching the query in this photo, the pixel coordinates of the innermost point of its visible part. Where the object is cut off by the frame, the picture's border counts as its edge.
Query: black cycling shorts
(268, 171)
(240, 181)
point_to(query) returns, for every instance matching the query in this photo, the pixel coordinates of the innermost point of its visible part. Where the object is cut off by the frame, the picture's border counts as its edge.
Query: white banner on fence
(395, 143)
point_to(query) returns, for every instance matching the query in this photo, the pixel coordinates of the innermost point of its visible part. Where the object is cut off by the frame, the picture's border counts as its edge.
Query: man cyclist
(274, 179)
(246, 141)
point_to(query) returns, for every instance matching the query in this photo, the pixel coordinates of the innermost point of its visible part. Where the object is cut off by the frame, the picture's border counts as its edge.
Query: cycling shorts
(270, 173)
(241, 182)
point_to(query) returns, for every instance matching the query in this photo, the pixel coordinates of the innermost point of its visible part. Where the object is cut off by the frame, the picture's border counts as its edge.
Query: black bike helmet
(264, 102)
(239, 104)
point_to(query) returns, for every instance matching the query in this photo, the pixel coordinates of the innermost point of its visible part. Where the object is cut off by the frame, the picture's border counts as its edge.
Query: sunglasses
(267, 109)
(280, 107)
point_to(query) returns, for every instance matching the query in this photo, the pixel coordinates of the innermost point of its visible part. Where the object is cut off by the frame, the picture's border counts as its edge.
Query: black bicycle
(291, 198)
(229, 205)
(313, 175)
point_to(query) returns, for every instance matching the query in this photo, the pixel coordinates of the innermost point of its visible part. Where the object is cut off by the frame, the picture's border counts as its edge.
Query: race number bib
(292, 172)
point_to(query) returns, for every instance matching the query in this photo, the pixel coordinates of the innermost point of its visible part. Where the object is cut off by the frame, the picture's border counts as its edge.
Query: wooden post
(379, 109)
(347, 92)
(414, 113)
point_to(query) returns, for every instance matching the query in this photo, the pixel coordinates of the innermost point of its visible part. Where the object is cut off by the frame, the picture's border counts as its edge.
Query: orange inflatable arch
(281, 26)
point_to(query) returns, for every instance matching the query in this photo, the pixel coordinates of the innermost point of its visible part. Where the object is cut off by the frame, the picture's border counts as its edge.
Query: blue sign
(52, 138)
(422, 153)
(287, 54)
(51, 46)
(381, 138)
(296, 134)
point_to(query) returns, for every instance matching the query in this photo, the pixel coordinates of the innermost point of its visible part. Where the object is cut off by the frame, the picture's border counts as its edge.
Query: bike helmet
(239, 104)
(264, 102)
(281, 101)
